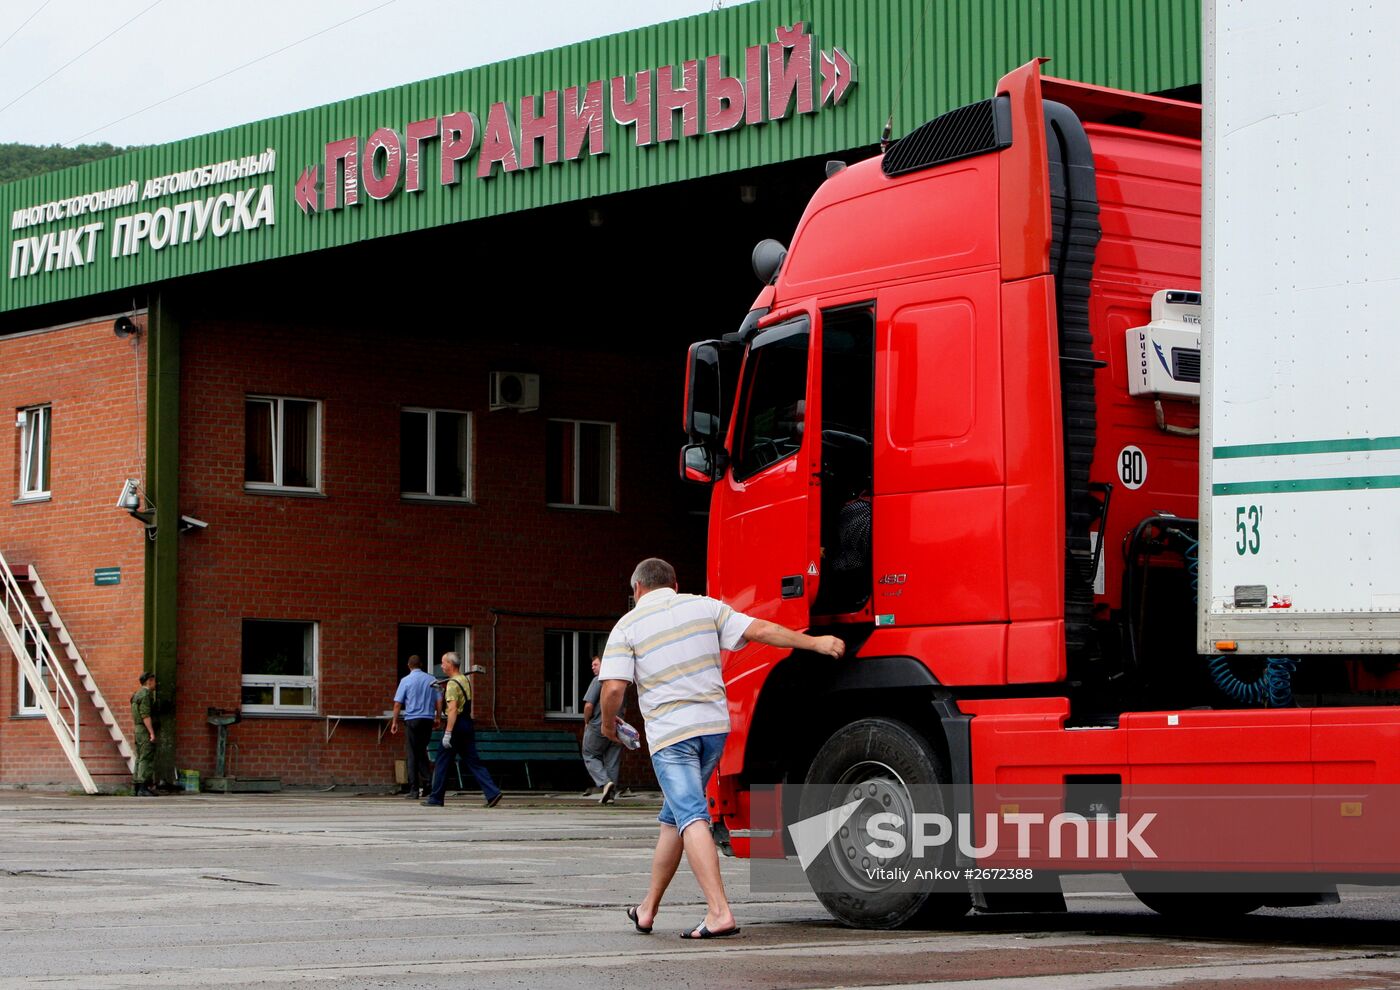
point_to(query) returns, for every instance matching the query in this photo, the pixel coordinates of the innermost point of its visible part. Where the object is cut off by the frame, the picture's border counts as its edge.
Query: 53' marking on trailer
(1247, 535)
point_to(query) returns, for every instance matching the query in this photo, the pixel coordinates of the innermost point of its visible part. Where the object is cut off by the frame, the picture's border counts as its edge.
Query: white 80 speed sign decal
(1132, 467)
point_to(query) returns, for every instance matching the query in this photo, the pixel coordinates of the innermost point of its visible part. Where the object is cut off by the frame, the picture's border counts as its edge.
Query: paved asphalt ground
(360, 891)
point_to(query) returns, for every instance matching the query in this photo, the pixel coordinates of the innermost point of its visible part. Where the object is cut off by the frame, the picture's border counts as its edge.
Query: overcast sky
(161, 48)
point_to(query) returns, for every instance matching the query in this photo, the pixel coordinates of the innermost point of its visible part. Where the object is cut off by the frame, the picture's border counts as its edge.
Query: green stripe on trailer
(1287, 486)
(1291, 448)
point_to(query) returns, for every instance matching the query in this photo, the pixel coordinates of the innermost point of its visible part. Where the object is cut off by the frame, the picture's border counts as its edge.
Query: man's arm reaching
(772, 634)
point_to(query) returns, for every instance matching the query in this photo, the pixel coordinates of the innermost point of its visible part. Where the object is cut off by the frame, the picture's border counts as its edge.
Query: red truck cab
(924, 439)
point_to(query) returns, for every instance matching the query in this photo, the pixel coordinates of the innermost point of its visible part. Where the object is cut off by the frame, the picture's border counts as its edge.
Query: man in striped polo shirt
(669, 646)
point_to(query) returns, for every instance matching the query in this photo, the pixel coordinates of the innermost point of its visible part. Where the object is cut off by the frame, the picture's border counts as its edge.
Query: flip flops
(632, 917)
(700, 931)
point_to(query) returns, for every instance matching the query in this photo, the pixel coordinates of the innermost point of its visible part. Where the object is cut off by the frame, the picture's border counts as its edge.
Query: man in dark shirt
(601, 756)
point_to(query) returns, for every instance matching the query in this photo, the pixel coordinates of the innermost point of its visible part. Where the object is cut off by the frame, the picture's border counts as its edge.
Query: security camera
(130, 498)
(188, 523)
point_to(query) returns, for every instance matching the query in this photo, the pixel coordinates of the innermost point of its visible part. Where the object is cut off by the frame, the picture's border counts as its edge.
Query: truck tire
(895, 769)
(1188, 905)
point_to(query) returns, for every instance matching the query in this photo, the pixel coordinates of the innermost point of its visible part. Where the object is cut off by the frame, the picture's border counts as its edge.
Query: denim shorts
(683, 769)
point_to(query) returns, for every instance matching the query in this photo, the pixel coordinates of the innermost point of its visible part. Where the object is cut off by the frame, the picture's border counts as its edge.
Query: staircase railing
(80, 667)
(59, 702)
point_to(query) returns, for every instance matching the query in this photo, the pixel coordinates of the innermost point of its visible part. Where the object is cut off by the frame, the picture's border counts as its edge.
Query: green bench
(517, 746)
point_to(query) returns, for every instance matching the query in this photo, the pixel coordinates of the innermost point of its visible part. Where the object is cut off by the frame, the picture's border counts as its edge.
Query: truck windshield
(775, 403)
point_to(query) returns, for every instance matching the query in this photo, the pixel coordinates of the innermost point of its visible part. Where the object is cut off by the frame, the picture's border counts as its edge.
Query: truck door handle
(792, 586)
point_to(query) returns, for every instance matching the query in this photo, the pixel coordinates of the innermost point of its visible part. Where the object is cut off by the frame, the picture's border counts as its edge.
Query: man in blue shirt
(416, 700)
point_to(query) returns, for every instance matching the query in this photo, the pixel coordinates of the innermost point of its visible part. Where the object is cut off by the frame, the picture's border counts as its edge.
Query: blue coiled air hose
(1274, 685)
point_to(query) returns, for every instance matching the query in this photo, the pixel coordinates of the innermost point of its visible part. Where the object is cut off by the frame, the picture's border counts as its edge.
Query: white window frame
(576, 637)
(612, 465)
(278, 420)
(32, 443)
(433, 662)
(278, 682)
(24, 689)
(432, 458)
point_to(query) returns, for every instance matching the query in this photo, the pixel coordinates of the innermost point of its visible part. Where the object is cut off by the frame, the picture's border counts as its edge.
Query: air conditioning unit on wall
(515, 390)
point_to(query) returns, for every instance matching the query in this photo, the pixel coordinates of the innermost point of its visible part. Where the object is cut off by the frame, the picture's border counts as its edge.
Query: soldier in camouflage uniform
(145, 736)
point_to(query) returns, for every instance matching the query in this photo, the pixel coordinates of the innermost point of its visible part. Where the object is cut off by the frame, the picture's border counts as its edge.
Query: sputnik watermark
(878, 837)
(934, 830)
(890, 836)
(900, 874)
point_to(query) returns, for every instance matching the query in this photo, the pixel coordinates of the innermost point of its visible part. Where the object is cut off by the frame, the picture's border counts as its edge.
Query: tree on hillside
(19, 161)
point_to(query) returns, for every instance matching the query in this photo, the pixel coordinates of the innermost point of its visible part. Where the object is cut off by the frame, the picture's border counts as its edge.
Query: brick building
(317, 315)
(81, 385)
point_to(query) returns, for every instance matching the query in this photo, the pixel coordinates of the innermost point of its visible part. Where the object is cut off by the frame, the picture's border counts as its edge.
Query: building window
(580, 463)
(435, 454)
(279, 666)
(568, 669)
(430, 643)
(28, 700)
(282, 444)
(35, 429)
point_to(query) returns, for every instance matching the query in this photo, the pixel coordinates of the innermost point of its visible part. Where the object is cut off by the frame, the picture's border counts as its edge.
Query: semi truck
(1091, 507)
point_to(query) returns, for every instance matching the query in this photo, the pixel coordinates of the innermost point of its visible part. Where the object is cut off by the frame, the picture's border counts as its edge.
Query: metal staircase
(53, 689)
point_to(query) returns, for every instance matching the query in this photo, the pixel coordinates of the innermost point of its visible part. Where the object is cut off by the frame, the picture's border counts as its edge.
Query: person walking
(601, 756)
(416, 701)
(670, 646)
(459, 738)
(144, 728)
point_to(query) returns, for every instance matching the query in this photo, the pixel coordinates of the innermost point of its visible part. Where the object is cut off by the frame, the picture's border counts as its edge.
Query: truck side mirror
(709, 387)
(701, 464)
(767, 258)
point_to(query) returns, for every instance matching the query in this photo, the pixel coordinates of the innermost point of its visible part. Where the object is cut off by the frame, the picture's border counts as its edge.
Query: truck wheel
(1188, 905)
(892, 769)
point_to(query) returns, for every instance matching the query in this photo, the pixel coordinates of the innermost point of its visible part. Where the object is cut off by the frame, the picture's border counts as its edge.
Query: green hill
(19, 161)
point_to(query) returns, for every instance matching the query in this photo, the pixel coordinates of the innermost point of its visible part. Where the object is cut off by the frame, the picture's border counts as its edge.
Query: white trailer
(1300, 381)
